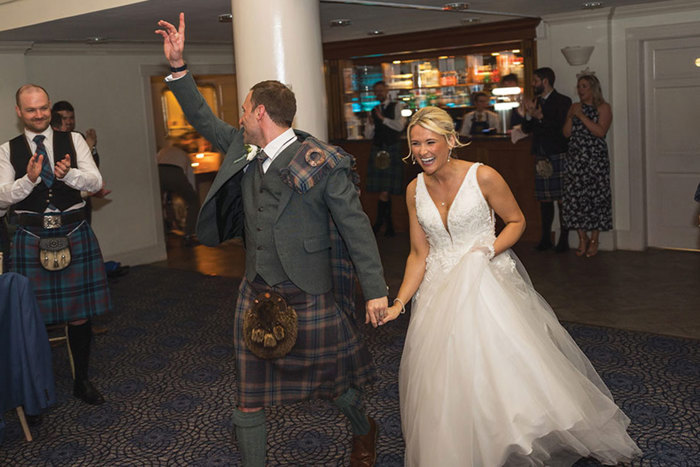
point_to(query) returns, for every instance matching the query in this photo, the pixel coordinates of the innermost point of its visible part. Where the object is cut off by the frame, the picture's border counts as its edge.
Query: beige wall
(17, 14)
(109, 87)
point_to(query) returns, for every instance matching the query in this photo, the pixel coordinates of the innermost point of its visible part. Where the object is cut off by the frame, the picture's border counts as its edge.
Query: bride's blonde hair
(436, 120)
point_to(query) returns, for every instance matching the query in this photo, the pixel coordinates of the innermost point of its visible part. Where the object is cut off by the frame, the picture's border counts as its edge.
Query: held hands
(378, 113)
(391, 313)
(375, 308)
(173, 41)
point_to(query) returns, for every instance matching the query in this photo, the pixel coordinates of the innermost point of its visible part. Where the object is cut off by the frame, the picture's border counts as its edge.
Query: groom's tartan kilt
(327, 359)
(329, 355)
(77, 292)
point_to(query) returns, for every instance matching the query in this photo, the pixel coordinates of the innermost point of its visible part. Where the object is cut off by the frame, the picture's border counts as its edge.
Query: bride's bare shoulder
(488, 176)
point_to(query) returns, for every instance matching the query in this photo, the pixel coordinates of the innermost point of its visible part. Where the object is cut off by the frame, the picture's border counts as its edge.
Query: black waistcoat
(383, 135)
(60, 195)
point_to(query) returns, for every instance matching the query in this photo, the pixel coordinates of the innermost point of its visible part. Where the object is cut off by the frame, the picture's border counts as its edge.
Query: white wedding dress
(488, 376)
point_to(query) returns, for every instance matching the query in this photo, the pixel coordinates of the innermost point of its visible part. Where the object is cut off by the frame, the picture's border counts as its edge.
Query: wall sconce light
(577, 55)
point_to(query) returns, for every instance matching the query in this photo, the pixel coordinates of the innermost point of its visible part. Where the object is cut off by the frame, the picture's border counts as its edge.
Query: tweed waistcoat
(261, 198)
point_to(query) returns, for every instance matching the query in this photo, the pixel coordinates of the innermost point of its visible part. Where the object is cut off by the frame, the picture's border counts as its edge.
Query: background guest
(4, 242)
(176, 176)
(42, 173)
(517, 114)
(544, 119)
(63, 119)
(480, 120)
(587, 200)
(385, 169)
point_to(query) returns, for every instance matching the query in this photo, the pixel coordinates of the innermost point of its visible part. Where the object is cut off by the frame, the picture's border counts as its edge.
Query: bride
(488, 376)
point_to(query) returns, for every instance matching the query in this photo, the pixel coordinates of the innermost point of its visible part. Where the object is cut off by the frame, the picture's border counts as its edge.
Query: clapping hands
(575, 111)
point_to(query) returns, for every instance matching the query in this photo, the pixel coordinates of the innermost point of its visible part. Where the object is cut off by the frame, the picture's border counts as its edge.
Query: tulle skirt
(489, 377)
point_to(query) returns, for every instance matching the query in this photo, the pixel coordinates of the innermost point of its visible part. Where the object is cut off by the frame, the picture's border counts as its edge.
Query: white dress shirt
(275, 147)
(491, 118)
(398, 123)
(85, 178)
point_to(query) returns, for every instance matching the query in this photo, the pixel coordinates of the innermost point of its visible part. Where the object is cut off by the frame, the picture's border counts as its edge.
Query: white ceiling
(136, 23)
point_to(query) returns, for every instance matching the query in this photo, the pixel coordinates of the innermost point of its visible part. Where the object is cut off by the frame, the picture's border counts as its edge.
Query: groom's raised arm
(196, 109)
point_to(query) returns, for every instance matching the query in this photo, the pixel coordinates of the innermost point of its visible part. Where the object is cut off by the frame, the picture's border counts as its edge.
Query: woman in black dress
(587, 203)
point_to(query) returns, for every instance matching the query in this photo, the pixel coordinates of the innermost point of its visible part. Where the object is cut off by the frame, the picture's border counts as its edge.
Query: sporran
(270, 326)
(382, 160)
(54, 253)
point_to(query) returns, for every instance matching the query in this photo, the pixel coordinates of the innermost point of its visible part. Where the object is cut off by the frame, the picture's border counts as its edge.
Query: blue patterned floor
(166, 370)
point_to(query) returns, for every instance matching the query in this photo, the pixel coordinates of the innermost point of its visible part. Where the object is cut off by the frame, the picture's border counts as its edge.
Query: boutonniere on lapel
(251, 151)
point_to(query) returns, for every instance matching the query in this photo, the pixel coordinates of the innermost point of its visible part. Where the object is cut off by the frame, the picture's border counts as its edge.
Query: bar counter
(513, 161)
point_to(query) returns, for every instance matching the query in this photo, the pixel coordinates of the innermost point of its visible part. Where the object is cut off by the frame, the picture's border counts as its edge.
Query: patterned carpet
(166, 370)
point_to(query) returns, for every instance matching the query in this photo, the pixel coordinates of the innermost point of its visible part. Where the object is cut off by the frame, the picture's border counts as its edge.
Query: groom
(289, 202)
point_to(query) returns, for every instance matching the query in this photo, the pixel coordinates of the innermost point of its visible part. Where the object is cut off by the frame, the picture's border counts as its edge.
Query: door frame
(637, 236)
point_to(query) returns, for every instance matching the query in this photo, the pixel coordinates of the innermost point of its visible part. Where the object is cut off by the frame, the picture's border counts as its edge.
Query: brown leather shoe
(364, 447)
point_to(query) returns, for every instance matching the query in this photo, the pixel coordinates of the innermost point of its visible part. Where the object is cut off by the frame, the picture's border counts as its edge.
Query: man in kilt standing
(544, 118)
(295, 203)
(42, 173)
(384, 168)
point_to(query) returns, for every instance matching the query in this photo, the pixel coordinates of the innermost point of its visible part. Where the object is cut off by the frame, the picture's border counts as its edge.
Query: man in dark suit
(544, 119)
(287, 201)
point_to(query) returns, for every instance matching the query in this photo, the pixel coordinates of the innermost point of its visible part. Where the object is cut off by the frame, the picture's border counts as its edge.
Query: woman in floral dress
(587, 203)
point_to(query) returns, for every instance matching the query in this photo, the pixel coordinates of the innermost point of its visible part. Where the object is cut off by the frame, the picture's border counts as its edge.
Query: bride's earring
(413, 159)
(449, 154)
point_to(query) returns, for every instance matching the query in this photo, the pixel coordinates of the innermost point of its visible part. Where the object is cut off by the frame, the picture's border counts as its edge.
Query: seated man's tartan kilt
(77, 292)
(328, 358)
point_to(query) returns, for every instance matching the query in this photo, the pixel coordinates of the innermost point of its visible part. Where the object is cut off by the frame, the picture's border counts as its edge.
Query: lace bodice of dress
(470, 222)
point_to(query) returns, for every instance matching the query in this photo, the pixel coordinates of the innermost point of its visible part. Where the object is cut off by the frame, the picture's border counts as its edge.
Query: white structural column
(281, 40)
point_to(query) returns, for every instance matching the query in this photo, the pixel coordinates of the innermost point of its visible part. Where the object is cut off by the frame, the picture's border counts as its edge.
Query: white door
(672, 143)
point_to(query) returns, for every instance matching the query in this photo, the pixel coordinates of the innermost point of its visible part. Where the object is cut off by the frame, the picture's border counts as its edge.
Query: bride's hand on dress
(486, 250)
(390, 314)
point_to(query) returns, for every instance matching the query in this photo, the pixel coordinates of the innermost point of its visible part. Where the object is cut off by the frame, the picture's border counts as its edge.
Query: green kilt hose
(386, 178)
(327, 359)
(549, 178)
(76, 292)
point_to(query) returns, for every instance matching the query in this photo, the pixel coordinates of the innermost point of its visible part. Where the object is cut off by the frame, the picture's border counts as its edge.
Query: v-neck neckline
(446, 222)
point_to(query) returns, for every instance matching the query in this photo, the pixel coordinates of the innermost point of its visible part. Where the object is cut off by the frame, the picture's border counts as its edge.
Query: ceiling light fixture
(340, 23)
(471, 20)
(456, 6)
(591, 5)
(95, 39)
(226, 18)
(376, 32)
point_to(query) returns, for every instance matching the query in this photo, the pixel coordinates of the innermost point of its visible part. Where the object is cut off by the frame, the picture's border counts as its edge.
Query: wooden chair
(58, 333)
(23, 422)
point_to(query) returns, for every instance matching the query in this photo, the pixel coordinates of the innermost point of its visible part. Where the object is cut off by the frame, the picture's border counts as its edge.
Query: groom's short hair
(279, 101)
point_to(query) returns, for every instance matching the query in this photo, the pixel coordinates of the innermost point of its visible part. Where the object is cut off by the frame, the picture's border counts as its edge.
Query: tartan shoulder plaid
(314, 160)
